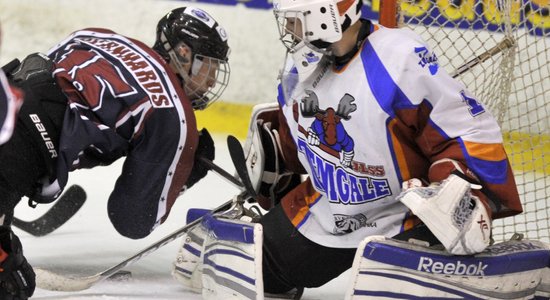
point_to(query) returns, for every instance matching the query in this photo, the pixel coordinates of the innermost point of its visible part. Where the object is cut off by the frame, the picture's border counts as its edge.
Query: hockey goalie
(374, 159)
(240, 254)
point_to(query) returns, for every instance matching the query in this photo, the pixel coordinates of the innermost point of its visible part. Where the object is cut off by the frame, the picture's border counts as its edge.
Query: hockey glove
(205, 149)
(17, 278)
(450, 208)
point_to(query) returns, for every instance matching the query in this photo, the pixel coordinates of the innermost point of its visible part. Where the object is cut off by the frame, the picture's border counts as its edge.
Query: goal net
(511, 76)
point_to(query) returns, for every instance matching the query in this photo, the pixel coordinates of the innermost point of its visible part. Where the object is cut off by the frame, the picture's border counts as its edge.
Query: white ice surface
(88, 244)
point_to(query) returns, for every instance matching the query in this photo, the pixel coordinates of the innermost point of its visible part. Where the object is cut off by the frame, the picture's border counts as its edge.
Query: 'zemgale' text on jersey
(341, 186)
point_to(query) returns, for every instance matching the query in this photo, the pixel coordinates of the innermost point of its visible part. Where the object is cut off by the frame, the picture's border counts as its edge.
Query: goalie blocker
(265, 158)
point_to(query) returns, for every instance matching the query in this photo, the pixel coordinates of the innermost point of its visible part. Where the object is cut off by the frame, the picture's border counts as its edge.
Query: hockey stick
(62, 210)
(506, 43)
(72, 200)
(221, 172)
(239, 160)
(55, 282)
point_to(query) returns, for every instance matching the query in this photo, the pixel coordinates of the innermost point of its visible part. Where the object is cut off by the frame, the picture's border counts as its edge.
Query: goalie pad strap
(187, 267)
(221, 258)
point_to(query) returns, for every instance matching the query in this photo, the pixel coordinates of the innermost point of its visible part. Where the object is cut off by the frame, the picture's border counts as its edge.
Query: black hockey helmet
(196, 29)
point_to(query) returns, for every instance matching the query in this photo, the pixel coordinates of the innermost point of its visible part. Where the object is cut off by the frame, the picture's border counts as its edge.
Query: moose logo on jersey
(427, 58)
(328, 134)
(327, 131)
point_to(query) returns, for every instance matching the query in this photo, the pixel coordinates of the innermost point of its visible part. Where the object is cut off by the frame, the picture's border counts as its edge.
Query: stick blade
(63, 209)
(239, 161)
(51, 281)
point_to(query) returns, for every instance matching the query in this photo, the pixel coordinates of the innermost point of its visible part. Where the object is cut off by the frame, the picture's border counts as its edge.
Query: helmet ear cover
(184, 57)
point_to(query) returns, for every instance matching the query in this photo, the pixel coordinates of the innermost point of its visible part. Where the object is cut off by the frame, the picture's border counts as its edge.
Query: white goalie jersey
(363, 128)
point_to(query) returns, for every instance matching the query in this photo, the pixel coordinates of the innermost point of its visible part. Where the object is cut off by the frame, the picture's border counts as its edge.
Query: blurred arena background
(256, 54)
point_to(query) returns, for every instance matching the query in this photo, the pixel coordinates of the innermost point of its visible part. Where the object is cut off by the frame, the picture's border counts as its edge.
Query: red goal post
(500, 49)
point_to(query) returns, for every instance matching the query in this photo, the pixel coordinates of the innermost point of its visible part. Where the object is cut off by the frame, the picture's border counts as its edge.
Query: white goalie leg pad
(457, 218)
(391, 269)
(187, 268)
(232, 259)
(543, 289)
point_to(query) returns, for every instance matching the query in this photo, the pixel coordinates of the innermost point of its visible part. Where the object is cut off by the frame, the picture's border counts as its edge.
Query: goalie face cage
(513, 82)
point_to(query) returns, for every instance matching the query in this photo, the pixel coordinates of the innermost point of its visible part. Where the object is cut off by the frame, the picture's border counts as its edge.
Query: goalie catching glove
(458, 219)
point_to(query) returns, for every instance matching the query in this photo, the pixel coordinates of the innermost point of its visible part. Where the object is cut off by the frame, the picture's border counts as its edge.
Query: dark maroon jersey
(124, 100)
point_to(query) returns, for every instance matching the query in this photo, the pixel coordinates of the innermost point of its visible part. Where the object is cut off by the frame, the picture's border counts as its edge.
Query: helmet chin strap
(177, 61)
(364, 31)
(321, 44)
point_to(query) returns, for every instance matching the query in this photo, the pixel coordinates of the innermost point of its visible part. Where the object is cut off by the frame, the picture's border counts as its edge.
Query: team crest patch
(327, 131)
(427, 58)
(329, 134)
(346, 181)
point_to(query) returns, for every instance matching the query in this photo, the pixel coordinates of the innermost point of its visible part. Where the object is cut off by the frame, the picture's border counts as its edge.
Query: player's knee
(130, 226)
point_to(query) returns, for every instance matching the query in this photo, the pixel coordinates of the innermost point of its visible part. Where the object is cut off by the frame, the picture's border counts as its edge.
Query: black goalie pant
(291, 260)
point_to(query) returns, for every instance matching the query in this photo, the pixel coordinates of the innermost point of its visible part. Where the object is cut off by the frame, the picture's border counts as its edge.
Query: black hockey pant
(21, 167)
(25, 159)
(291, 260)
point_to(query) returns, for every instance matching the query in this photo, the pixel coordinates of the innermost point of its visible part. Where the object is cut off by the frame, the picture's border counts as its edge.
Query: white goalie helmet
(316, 23)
